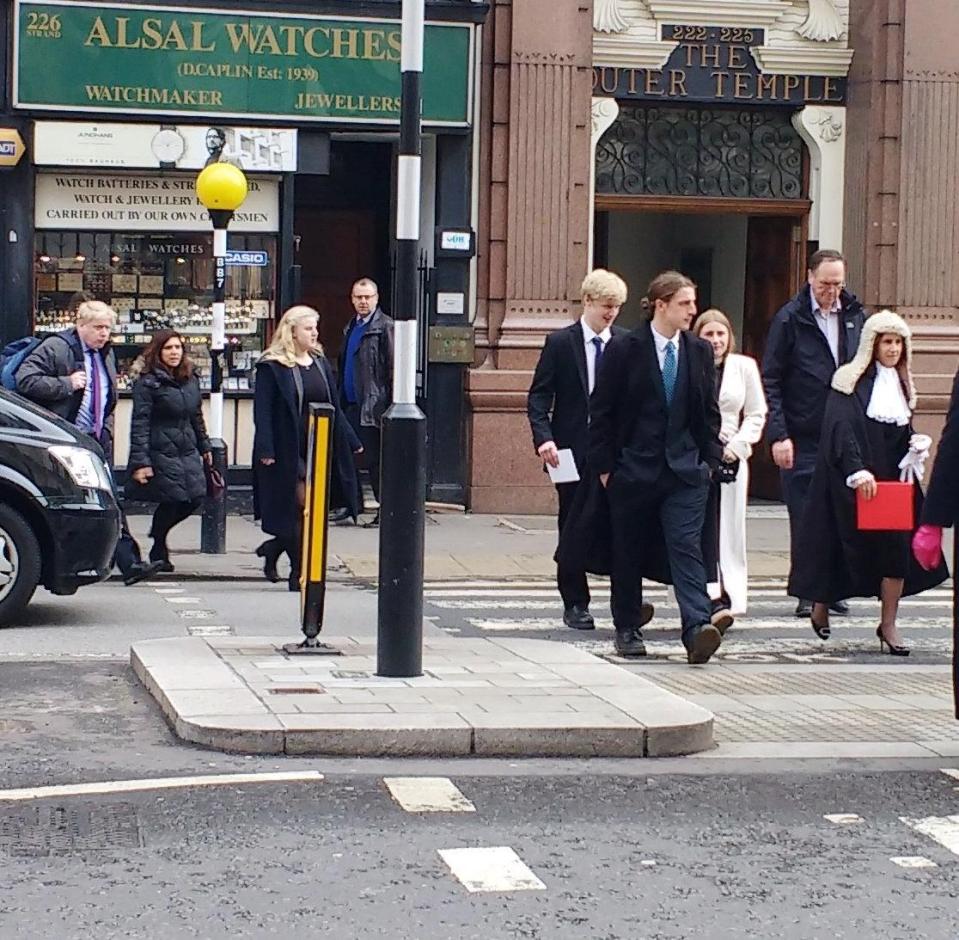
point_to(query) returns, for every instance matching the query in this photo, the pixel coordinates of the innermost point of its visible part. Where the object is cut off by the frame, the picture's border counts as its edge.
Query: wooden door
(336, 247)
(774, 269)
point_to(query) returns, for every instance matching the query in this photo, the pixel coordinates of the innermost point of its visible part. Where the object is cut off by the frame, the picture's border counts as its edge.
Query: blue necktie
(598, 346)
(669, 372)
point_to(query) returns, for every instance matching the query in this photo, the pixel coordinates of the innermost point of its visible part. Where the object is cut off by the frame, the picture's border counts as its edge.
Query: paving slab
(537, 699)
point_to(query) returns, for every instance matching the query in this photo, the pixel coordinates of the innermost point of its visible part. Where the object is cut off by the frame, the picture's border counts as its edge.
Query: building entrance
(746, 265)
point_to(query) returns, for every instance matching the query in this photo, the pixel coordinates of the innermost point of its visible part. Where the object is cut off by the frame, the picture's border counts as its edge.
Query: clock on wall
(168, 145)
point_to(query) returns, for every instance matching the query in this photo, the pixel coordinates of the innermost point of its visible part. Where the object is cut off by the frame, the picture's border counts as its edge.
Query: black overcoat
(942, 507)
(834, 560)
(167, 433)
(278, 417)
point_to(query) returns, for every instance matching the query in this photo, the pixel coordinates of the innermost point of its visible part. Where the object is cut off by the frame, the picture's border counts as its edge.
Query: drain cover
(292, 690)
(47, 829)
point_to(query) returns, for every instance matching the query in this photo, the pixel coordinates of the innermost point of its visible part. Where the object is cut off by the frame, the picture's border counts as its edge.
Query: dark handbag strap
(298, 382)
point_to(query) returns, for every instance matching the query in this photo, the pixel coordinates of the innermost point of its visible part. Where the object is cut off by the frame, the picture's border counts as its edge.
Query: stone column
(534, 231)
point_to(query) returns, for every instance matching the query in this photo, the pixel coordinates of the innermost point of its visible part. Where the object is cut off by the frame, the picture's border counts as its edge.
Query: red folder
(890, 510)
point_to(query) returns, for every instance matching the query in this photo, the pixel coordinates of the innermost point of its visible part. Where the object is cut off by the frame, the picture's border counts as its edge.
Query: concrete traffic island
(482, 697)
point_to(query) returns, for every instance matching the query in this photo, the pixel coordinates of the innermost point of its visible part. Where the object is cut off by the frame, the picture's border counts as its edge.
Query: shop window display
(162, 281)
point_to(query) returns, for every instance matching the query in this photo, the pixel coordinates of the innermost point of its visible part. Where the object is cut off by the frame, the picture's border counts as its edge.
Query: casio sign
(455, 241)
(247, 259)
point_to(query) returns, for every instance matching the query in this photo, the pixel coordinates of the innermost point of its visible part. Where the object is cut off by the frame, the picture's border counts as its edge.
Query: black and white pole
(403, 472)
(213, 523)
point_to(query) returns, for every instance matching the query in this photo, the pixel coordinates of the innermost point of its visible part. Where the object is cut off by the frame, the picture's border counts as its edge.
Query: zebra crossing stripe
(785, 624)
(490, 869)
(943, 829)
(428, 795)
(913, 861)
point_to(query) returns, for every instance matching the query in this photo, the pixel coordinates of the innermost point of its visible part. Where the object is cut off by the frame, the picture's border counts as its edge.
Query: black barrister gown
(834, 559)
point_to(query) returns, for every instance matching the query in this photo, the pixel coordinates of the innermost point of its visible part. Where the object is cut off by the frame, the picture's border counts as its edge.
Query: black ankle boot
(270, 552)
(160, 555)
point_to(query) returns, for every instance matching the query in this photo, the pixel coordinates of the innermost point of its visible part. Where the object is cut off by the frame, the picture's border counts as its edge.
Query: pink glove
(927, 546)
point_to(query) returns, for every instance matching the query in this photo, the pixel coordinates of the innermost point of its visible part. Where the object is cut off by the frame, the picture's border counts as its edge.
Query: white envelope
(566, 472)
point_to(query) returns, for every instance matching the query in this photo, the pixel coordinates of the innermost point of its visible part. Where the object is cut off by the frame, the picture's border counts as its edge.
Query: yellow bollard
(316, 510)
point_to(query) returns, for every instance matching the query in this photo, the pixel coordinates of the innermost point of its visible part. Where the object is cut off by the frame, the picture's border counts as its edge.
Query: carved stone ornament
(608, 16)
(830, 129)
(823, 23)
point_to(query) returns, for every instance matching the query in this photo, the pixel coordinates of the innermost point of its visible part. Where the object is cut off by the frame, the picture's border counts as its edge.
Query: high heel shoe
(822, 630)
(893, 650)
(270, 552)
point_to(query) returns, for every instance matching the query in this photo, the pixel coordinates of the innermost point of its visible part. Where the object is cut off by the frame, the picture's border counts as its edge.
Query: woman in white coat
(742, 406)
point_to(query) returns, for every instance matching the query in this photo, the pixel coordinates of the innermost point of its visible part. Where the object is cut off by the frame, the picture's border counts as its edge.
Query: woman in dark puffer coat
(168, 439)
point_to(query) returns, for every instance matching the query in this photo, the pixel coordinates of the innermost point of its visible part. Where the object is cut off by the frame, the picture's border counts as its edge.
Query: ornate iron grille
(751, 154)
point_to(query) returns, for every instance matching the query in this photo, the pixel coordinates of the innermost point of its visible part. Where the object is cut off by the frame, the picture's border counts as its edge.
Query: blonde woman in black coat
(292, 374)
(168, 439)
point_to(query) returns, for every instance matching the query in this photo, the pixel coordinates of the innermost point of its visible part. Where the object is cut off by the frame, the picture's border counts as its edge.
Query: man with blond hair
(74, 375)
(558, 410)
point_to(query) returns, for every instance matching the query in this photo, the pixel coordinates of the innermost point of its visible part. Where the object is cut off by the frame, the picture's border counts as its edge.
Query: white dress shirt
(661, 343)
(588, 337)
(828, 322)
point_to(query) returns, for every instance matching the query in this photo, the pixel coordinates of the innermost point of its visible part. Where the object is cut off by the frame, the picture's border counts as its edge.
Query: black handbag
(215, 484)
(727, 472)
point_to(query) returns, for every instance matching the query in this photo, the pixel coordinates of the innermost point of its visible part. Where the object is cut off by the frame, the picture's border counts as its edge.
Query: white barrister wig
(885, 321)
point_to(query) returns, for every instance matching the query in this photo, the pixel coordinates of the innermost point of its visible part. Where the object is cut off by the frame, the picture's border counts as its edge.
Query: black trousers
(681, 509)
(795, 485)
(571, 581)
(369, 460)
(165, 517)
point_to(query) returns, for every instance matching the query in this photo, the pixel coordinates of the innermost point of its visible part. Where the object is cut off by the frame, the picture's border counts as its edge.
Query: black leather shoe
(270, 552)
(839, 608)
(804, 609)
(630, 642)
(141, 571)
(578, 618)
(340, 515)
(705, 642)
(721, 617)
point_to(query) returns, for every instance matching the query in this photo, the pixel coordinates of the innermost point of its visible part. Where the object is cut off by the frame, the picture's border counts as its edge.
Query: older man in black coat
(558, 410)
(814, 333)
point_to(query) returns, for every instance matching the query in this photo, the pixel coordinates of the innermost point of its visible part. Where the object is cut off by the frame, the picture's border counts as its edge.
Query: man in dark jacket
(558, 410)
(654, 442)
(73, 374)
(814, 333)
(366, 375)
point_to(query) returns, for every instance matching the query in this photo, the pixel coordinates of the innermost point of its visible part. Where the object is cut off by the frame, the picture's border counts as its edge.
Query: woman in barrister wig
(867, 437)
(742, 407)
(291, 375)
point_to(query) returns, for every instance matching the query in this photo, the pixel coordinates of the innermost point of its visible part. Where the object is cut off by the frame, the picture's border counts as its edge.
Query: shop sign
(183, 61)
(135, 202)
(142, 146)
(247, 259)
(11, 146)
(715, 64)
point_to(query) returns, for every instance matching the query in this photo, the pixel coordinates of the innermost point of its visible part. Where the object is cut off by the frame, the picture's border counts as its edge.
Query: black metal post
(955, 615)
(213, 523)
(403, 475)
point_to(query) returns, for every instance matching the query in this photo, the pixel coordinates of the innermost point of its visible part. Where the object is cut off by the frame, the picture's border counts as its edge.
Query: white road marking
(843, 819)
(155, 783)
(428, 795)
(950, 772)
(170, 590)
(182, 600)
(944, 829)
(491, 869)
(210, 629)
(913, 861)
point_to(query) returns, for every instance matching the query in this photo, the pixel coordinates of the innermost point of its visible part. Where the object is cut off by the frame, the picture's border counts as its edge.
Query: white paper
(566, 472)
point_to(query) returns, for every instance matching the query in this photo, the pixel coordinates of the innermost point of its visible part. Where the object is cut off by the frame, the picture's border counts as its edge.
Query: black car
(59, 519)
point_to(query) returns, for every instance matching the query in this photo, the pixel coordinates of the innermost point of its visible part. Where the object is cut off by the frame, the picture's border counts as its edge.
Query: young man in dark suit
(654, 441)
(558, 409)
